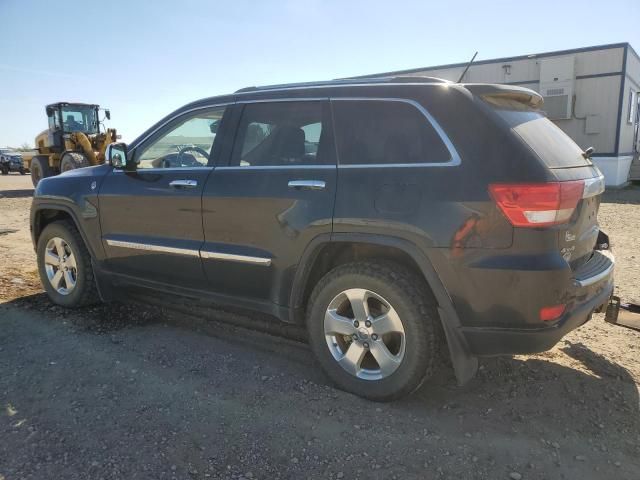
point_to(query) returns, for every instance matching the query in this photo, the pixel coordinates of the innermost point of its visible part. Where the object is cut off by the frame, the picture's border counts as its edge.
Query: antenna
(467, 67)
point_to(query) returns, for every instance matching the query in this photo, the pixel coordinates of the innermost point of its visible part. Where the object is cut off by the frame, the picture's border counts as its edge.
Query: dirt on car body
(147, 391)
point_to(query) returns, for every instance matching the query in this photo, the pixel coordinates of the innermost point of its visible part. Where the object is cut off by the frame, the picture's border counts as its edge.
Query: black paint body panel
(485, 274)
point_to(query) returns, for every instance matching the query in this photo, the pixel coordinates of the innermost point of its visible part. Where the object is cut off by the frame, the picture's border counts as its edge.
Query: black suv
(388, 214)
(11, 161)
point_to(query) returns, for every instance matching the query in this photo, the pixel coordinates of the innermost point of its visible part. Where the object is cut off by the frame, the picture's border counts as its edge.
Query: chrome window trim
(190, 252)
(455, 157)
(170, 169)
(263, 261)
(153, 248)
(397, 165)
(277, 167)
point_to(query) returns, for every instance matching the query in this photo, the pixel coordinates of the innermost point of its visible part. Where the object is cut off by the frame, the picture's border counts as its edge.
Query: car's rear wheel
(73, 160)
(372, 327)
(4, 169)
(64, 265)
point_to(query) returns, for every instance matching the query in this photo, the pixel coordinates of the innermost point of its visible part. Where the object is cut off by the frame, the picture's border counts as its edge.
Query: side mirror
(213, 126)
(116, 156)
(107, 114)
(50, 112)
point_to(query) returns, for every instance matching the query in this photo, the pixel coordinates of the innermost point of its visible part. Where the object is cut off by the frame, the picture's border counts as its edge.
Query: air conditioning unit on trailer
(557, 79)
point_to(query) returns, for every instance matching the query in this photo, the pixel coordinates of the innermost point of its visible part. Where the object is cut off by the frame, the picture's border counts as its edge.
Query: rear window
(375, 132)
(554, 147)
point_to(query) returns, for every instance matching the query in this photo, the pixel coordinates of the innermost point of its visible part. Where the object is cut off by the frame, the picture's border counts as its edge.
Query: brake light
(537, 204)
(551, 313)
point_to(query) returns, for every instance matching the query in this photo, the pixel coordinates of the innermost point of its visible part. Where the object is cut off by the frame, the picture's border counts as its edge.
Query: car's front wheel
(373, 329)
(40, 169)
(65, 267)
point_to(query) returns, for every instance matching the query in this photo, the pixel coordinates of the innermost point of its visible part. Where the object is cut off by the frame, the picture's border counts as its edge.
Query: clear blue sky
(144, 59)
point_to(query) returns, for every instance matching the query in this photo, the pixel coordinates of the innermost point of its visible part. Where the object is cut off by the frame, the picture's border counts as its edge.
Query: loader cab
(73, 117)
(65, 118)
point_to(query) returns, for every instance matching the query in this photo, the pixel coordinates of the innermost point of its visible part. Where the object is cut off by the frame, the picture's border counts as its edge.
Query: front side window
(188, 144)
(281, 134)
(79, 119)
(382, 132)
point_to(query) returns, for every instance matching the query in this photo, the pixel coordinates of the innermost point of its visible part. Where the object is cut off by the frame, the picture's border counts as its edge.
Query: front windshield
(76, 118)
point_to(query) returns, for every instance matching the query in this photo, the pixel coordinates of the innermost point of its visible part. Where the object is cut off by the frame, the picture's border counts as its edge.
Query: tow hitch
(623, 314)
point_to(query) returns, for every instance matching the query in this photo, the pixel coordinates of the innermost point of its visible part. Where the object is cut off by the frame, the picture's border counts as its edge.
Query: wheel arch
(325, 253)
(44, 214)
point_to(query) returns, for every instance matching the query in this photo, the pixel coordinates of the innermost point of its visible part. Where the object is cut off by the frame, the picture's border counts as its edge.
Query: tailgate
(578, 238)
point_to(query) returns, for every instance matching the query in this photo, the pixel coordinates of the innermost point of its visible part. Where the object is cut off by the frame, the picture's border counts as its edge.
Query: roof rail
(347, 81)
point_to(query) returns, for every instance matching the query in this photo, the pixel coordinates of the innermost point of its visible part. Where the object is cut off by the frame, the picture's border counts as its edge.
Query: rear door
(152, 218)
(275, 196)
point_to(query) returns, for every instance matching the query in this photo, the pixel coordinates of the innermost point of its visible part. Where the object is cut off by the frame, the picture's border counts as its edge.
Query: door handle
(307, 184)
(183, 183)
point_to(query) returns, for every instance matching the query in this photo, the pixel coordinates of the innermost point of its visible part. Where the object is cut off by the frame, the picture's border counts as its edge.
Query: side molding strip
(236, 258)
(190, 252)
(153, 248)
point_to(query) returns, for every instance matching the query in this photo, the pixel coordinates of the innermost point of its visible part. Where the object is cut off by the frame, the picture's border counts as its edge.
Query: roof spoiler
(523, 95)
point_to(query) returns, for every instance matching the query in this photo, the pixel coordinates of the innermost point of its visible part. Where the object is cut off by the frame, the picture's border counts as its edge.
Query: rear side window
(376, 132)
(554, 147)
(281, 134)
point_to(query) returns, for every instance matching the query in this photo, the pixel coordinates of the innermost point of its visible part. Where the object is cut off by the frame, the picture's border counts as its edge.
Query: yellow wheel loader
(73, 140)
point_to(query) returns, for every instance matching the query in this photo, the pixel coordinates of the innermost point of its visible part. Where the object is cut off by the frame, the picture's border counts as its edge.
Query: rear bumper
(591, 290)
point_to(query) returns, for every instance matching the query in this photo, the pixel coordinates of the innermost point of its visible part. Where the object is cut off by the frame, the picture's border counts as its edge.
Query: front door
(151, 219)
(277, 194)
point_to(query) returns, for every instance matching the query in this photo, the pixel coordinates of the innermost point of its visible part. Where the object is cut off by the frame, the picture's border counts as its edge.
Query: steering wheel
(201, 151)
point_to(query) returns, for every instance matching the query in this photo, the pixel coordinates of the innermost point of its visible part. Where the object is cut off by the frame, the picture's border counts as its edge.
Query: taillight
(537, 204)
(553, 312)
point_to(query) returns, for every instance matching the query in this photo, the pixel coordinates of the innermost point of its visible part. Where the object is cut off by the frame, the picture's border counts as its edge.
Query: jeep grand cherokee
(386, 214)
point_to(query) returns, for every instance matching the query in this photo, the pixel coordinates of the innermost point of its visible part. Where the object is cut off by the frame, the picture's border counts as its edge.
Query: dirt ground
(142, 391)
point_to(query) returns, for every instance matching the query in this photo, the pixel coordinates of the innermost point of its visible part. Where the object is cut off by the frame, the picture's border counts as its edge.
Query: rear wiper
(588, 152)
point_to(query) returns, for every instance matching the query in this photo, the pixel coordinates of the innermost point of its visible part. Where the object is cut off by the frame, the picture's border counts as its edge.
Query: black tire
(22, 171)
(409, 295)
(40, 169)
(4, 170)
(73, 160)
(85, 291)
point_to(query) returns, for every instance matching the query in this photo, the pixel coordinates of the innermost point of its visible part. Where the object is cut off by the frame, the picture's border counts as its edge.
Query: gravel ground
(143, 391)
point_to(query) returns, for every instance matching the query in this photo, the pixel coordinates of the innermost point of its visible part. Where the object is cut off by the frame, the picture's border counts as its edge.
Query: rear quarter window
(554, 147)
(380, 132)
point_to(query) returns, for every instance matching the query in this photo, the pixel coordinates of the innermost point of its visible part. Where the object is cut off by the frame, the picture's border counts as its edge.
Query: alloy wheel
(364, 334)
(60, 266)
